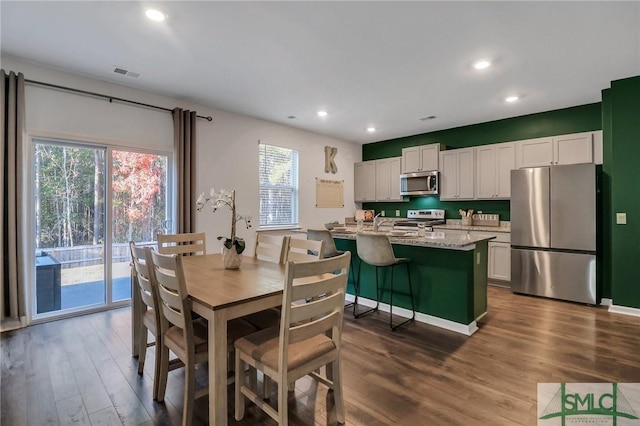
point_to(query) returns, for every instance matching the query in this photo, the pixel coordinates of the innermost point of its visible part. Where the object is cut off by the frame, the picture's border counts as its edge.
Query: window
(278, 186)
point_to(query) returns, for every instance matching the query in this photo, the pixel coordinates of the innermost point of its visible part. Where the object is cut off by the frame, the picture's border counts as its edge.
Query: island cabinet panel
(447, 284)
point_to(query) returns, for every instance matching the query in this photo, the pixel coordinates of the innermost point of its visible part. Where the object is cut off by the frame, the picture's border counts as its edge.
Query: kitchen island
(448, 273)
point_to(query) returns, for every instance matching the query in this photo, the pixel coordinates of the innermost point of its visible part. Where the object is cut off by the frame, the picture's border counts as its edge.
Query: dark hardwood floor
(80, 371)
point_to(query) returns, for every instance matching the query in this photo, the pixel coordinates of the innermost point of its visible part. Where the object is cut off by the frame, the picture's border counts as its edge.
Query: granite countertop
(438, 239)
(457, 225)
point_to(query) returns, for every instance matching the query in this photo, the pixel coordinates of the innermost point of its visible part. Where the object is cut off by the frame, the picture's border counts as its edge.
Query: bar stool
(376, 250)
(330, 250)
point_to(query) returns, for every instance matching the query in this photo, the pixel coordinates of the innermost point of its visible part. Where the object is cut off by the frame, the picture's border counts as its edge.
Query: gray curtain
(13, 307)
(184, 138)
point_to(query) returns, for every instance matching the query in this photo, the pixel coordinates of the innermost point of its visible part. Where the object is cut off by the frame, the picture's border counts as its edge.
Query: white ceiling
(382, 64)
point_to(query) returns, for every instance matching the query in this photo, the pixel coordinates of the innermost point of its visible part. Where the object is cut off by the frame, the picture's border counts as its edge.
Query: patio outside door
(84, 219)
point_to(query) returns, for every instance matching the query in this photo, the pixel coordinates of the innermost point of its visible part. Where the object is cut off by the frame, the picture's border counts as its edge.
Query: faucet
(377, 223)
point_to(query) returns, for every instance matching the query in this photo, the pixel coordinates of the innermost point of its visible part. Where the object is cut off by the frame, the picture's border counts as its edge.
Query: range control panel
(426, 214)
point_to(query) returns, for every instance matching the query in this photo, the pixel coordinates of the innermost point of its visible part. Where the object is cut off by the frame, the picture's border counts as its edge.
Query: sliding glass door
(85, 218)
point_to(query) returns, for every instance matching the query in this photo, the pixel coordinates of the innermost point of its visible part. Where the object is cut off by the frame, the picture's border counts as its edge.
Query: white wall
(227, 149)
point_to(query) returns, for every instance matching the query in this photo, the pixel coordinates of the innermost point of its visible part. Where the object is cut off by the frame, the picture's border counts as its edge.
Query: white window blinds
(278, 186)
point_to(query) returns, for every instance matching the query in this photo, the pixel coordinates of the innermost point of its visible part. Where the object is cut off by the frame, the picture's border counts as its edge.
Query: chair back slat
(314, 309)
(299, 250)
(187, 244)
(270, 247)
(329, 249)
(315, 286)
(308, 330)
(176, 306)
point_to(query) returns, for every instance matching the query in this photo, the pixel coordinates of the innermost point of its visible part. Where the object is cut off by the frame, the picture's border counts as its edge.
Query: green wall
(582, 118)
(623, 104)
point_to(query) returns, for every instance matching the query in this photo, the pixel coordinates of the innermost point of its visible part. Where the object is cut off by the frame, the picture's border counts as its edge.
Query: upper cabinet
(422, 158)
(493, 170)
(377, 180)
(388, 179)
(364, 178)
(565, 149)
(457, 174)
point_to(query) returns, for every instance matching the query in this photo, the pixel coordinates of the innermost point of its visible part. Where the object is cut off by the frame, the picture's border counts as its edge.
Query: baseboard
(606, 302)
(466, 329)
(625, 310)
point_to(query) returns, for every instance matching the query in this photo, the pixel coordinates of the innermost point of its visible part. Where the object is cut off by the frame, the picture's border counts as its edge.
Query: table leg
(218, 369)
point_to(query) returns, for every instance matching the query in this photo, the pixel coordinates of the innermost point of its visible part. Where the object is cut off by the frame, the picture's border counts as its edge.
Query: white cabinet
(499, 261)
(457, 174)
(364, 181)
(493, 170)
(499, 256)
(565, 149)
(387, 182)
(420, 158)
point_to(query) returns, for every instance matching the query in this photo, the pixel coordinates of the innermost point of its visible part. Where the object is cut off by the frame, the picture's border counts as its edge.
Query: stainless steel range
(428, 218)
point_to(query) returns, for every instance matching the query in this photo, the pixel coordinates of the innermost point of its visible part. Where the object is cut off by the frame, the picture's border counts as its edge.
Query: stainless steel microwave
(420, 183)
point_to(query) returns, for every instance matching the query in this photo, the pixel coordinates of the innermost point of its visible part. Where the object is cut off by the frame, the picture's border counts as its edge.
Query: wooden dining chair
(149, 319)
(270, 247)
(309, 337)
(330, 250)
(187, 244)
(186, 338)
(303, 250)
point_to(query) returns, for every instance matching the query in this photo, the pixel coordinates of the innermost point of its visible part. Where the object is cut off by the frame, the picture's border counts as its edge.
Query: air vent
(431, 117)
(126, 72)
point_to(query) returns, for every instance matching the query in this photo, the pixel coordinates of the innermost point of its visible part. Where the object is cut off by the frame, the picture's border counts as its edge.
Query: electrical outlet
(621, 218)
(397, 213)
(382, 213)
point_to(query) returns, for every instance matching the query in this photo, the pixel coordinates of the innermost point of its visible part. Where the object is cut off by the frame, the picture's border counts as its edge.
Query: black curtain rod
(110, 98)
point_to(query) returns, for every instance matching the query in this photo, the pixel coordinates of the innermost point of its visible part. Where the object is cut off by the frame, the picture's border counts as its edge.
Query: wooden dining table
(220, 295)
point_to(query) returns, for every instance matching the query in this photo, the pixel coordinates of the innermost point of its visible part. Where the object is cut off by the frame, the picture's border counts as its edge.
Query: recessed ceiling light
(322, 113)
(371, 129)
(482, 64)
(511, 98)
(155, 15)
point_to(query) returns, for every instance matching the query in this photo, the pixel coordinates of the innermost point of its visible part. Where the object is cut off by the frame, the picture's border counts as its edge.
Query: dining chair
(309, 337)
(270, 247)
(330, 250)
(186, 338)
(188, 244)
(149, 319)
(303, 250)
(376, 250)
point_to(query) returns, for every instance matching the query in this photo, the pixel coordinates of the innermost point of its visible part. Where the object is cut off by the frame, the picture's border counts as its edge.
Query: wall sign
(329, 193)
(329, 155)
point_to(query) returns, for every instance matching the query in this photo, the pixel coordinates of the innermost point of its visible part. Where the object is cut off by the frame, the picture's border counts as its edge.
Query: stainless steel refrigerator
(553, 232)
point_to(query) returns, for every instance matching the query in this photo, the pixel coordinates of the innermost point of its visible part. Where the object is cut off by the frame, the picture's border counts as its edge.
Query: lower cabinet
(499, 261)
(499, 257)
